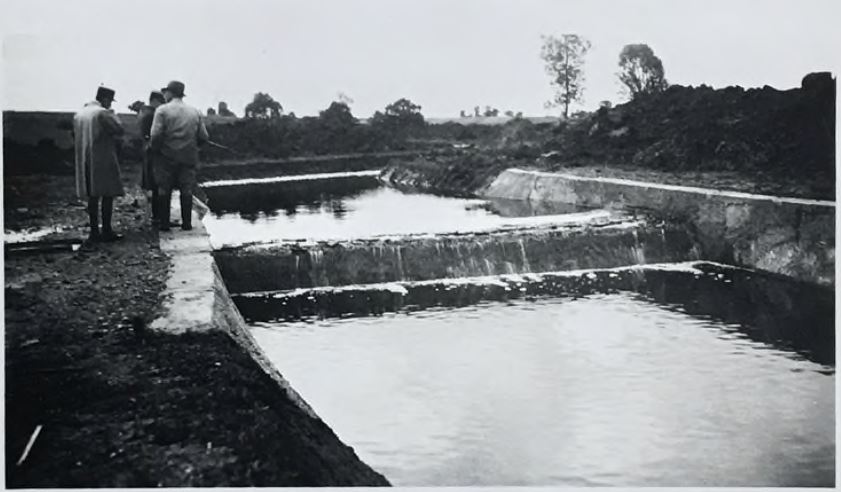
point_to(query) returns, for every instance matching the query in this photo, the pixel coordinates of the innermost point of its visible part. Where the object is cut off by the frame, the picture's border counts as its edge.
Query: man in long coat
(96, 130)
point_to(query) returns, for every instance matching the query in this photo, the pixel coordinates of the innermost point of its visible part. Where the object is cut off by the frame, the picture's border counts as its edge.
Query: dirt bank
(121, 407)
(755, 140)
(468, 174)
(783, 133)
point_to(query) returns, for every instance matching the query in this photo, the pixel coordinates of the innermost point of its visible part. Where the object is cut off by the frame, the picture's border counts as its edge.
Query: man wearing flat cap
(177, 131)
(147, 180)
(96, 131)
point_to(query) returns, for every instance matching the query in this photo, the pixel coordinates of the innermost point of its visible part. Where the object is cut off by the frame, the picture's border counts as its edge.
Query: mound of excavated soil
(785, 133)
(756, 140)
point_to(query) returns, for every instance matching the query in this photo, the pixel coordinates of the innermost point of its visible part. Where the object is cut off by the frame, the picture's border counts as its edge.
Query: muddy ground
(121, 407)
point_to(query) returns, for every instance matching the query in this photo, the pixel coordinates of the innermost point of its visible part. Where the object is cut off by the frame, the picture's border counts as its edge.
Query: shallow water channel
(685, 373)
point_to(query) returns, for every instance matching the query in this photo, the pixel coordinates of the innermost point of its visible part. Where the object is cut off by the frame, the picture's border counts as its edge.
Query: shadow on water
(250, 200)
(785, 315)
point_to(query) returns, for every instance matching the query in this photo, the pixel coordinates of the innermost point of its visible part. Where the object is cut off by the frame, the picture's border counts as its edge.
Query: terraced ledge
(600, 241)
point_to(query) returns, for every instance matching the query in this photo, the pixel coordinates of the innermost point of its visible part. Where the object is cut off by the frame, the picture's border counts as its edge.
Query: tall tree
(263, 106)
(564, 59)
(640, 70)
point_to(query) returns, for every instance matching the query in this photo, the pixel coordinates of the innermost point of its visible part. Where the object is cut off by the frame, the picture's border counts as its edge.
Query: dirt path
(121, 407)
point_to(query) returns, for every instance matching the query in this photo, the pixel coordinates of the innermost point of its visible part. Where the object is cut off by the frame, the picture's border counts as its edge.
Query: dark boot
(156, 215)
(186, 210)
(108, 233)
(164, 197)
(93, 218)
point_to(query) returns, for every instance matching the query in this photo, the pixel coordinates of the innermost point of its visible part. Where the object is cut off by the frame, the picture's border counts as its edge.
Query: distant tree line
(489, 112)
(267, 131)
(640, 72)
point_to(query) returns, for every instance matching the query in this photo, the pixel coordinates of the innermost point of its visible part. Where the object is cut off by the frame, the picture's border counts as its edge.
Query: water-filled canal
(353, 206)
(689, 374)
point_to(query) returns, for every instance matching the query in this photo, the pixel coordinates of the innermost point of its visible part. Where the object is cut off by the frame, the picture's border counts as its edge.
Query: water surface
(350, 207)
(608, 387)
(644, 376)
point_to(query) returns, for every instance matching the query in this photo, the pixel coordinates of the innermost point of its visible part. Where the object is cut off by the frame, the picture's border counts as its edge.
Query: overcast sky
(445, 55)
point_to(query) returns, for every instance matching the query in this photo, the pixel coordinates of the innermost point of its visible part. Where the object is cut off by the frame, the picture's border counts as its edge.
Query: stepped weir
(598, 242)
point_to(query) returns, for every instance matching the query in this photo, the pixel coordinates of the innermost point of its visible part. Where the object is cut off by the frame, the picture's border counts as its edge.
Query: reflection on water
(616, 378)
(330, 209)
(290, 198)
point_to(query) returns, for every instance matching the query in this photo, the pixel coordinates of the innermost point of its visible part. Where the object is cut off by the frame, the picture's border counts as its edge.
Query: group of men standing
(172, 132)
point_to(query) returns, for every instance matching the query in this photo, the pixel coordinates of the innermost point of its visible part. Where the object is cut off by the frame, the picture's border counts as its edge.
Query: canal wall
(197, 300)
(788, 236)
(598, 243)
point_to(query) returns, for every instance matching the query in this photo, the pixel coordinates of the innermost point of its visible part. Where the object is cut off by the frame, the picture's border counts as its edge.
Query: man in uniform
(177, 131)
(96, 131)
(145, 117)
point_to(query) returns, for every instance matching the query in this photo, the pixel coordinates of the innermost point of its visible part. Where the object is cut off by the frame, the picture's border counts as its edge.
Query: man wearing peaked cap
(96, 131)
(177, 131)
(103, 93)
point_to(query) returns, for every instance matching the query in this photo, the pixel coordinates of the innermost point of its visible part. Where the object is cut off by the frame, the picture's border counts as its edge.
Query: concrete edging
(788, 236)
(196, 299)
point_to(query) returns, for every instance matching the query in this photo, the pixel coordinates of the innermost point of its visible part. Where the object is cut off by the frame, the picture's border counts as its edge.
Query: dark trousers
(164, 200)
(93, 214)
(148, 182)
(172, 175)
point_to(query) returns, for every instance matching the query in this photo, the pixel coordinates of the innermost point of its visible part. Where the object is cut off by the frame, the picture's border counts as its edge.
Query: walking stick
(223, 147)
